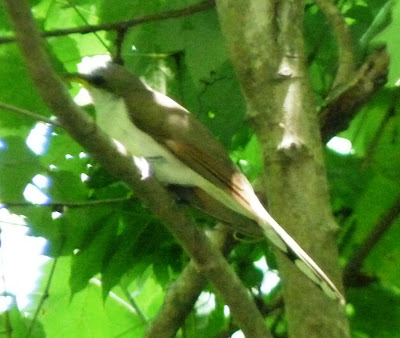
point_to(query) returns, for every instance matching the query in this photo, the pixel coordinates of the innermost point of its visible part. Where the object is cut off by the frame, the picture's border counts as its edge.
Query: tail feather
(277, 235)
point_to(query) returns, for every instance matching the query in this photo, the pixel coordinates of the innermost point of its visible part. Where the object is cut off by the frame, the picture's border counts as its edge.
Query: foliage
(103, 241)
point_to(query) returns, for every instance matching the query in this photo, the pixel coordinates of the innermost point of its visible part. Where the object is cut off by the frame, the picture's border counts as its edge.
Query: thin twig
(45, 292)
(121, 33)
(74, 204)
(351, 274)
(390, 113)
(112, 295)
(87, 23)
(120, 25)
(24, 112)
(134, 304)
(346, 64)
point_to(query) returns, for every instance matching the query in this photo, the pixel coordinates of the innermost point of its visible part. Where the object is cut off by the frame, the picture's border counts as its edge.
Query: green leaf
(12, 322)
(18, 165)
(386, 159)
(60, 179)
(94, 252)
(385, 256)
(391, 37)
(122, 258)
(366, 124)
(376, 311)
(347, 179)
(188, 59)
(16, 88)
(221, 106)
(85, 315)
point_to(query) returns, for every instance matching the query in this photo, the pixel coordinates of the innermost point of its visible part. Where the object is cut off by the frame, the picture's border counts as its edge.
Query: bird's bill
(77, 78)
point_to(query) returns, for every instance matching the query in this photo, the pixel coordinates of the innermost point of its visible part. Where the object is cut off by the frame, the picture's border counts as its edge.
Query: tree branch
(341, 31)
(207, 258)
(342, 106)
(278, 95)
(124, 25)
(183, 293)
(351, 89)
(351, 273)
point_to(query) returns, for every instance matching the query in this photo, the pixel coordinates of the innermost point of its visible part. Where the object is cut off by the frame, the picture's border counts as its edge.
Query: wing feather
(226, 177)
(191, 142)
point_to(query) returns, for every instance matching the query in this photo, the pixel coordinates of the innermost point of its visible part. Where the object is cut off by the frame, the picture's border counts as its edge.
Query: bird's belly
(166, 167)
(113, 119)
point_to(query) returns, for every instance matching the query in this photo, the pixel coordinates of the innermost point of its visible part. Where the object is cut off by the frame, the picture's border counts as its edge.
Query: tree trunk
(265, 39)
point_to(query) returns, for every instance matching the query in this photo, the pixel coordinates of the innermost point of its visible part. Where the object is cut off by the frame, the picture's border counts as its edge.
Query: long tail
(277, 235)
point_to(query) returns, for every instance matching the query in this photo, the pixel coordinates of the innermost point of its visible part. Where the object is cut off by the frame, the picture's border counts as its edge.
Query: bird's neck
(109, 107)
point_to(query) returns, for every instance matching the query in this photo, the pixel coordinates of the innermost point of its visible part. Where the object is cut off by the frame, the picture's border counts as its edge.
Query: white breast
(113, 119)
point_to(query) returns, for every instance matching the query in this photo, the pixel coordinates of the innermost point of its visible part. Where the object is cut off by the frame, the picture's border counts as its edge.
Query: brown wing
(172, 126)
(199, 199)
(222, 174)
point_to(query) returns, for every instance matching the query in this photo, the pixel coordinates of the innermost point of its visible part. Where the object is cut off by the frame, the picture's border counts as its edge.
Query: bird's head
(111, 78)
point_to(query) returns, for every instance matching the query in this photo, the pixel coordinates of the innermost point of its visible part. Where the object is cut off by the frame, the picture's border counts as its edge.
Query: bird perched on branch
(185, 156)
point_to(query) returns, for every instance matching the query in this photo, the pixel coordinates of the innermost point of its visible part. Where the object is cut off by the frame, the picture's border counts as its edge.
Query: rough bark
(267, 49)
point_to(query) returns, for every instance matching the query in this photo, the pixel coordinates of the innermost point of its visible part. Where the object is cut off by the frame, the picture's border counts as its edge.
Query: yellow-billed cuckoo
(183, 153)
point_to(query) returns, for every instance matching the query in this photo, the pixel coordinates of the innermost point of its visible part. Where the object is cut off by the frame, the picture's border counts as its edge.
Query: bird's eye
(97, 80)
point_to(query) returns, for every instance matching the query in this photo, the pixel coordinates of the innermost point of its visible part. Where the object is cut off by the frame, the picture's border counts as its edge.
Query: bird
(186, 157)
